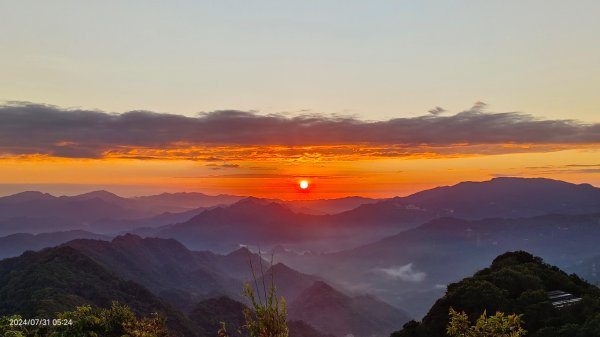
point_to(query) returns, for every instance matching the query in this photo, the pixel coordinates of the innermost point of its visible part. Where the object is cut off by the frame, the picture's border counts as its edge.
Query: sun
(304, 184)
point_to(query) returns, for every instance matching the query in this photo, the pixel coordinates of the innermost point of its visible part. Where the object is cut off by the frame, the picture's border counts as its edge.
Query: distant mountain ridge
(509, 198)
(107, 213)
(16, 244)
(253, 220)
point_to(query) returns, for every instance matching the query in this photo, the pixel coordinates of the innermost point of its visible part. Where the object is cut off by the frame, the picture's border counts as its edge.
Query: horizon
(83, 191)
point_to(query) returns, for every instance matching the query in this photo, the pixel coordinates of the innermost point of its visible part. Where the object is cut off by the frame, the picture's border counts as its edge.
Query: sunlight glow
(304, 184)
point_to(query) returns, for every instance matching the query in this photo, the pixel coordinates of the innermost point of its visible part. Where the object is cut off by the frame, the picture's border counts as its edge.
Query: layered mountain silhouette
(99, 211)
(16, 244)
(404, 250)
(58, 279)
(87, 271)
(164, 266)
(256, 220)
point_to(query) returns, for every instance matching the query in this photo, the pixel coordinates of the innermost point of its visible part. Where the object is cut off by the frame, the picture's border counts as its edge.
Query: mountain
(237, 264)
(288, 282)
(183, 201)
(181, 276)
(25, 197)
(517, 282)
(106, 196)
(253, 220)
(327, 206)
(330, 311)
(165, 266)
(58, 279)
(250, 220)
(508, 197)
(504, 197)
(99, 211)
(16, 244)
(425, 259)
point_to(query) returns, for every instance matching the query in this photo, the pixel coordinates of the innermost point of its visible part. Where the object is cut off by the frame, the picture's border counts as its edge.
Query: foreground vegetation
(84, 321)
(516, 282)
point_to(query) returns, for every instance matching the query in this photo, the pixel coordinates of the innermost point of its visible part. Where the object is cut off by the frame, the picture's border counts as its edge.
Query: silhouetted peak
(253, 203)
(280, 268)
(27, 196)
(127, 238)
(242, 251)
(100, 194)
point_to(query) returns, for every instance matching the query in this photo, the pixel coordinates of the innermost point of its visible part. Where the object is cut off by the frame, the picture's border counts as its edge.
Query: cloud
(214, 166)
(37, 129)
(404, 273)
(437, 110)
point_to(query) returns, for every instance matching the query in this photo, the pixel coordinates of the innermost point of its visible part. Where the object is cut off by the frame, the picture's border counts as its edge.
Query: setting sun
(304, 184)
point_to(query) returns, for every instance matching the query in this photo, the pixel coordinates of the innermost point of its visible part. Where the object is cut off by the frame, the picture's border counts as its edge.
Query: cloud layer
(405, 273)
(36, 129)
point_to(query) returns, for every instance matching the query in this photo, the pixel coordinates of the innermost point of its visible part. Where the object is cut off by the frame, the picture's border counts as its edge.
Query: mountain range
(404, 250)
(172, 280)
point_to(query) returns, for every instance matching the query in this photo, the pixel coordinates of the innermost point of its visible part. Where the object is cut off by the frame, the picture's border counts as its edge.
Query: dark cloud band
(27, 128)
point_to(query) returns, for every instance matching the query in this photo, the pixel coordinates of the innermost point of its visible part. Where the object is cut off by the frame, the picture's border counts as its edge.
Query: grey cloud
(214, 166)
(437, 110)
(27, 128)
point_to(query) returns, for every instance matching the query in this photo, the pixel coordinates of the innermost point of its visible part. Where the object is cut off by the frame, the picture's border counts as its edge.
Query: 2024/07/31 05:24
(40, 322)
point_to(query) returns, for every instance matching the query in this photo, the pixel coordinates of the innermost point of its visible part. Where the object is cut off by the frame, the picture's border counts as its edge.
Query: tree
(267, 315)
(498, 325)
(6, 330)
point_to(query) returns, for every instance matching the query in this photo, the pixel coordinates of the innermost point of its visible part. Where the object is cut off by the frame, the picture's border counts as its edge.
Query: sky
(376, 98)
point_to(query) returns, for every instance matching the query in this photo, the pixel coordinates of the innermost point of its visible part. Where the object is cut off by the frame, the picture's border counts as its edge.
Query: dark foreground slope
(209, 314)
(40, 284)
(517, 282)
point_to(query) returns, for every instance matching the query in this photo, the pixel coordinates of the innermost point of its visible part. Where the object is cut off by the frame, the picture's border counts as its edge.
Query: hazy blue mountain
(25, 197)
(184, 201)
(248, 221)
(508, 197)
(99, 211)
(288, 282)
(164, 266)
(328, 206)
(253, 220)
(16, 244)
(425, 259)
(331, 311)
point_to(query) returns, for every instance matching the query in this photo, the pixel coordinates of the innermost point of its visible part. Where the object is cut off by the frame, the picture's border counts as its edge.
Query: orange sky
(275, 173)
